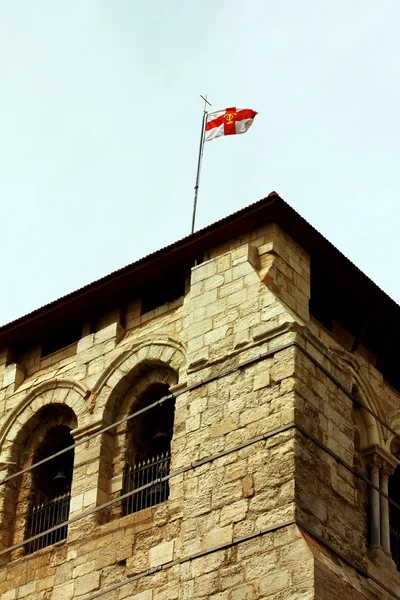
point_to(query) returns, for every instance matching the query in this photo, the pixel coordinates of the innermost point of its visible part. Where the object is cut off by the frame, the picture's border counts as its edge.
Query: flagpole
(201, 149)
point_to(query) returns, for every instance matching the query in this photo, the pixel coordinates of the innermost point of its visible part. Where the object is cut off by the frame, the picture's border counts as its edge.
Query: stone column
(375, 524)
(382, 463)
(385, 530)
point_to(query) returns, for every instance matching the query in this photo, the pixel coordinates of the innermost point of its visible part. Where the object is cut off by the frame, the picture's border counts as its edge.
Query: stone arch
(167, 352)
(370, 429)
(18, 493)
(393, 420)
(155, 362)
(60, 391)
(367, 427)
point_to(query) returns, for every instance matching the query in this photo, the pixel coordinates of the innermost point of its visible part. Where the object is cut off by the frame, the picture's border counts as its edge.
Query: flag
(228, 122)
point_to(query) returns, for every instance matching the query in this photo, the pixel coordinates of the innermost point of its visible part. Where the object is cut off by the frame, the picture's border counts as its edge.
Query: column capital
(377, 455)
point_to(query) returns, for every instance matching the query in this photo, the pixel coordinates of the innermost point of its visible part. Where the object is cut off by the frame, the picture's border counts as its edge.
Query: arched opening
(148, 454)
(51, 489)
(39, 499)
(137, 453)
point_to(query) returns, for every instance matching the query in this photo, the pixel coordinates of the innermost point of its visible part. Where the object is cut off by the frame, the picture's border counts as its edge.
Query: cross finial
(205, 102)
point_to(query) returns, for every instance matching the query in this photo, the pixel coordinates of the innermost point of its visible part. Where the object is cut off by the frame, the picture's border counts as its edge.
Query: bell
(160, 441)
(160, 435)
(60, 478)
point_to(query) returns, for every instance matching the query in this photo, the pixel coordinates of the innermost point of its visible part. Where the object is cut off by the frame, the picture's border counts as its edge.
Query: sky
(100, 118)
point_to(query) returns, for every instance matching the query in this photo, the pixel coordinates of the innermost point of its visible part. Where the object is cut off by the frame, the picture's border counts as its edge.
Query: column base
(382, 566)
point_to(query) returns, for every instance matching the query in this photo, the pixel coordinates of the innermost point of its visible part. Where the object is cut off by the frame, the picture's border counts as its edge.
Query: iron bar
(185, 469)
(42, 519)
(153, 472)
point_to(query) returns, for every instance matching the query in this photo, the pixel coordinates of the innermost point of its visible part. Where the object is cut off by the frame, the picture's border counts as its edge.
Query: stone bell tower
(218, 420)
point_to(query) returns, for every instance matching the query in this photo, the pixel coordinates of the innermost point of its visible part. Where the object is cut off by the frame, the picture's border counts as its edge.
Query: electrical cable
(199, 463)
(239, 540)
(233, 543)
(193, 465)
(203, 461)
(180, 561)
(205, 381)
(145, 409)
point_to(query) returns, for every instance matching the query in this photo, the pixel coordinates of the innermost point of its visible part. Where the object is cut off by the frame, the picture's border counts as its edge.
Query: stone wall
(245, 484)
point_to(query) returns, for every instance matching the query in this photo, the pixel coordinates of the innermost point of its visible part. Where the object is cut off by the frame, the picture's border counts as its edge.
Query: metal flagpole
(201, 148)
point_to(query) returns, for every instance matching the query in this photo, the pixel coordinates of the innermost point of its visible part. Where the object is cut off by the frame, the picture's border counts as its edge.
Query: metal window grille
(142, 474)
(46, 515)
(395, 546)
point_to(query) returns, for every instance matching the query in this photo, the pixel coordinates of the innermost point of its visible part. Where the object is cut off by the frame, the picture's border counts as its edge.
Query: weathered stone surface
(161, 554)
(248, 300)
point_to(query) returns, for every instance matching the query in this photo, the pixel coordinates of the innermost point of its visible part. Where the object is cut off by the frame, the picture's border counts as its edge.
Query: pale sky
(100, 120)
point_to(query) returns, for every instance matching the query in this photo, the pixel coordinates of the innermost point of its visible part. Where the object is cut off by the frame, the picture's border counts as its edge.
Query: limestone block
(248, 486)
(76, 503)
(243, 269)
(111, 332)
(217, 537)
(206, 585)
(94, 351)
(233, 513)
(274, 582)
(217, 334)
(237, 299)
(241, 338)
(224, 263)
(223, 427)
(204, 300)
(84, 568)
(147, 595)
(244, 592)
(85, 343)
(262, 380)
(213, 282)
(161, 554)
(137, 563)
(27, 590)
(197, 406)
(14, 375)
(201, 327)
(89, 497)
(203, 271)
(63, 573)
(63, 592)
(207, 564)
(231, 288)
(193, 423)
(87, 583)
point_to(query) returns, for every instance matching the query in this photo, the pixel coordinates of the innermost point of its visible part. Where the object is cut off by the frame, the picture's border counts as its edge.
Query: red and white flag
(228, 122)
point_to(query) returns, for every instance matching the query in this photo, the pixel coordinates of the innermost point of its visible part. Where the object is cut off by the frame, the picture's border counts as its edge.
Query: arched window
(51, 489)
(40, 498)
(148, 453)
(137, 453)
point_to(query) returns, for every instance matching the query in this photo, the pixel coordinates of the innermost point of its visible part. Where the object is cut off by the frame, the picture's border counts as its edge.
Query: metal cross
(205, 102)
